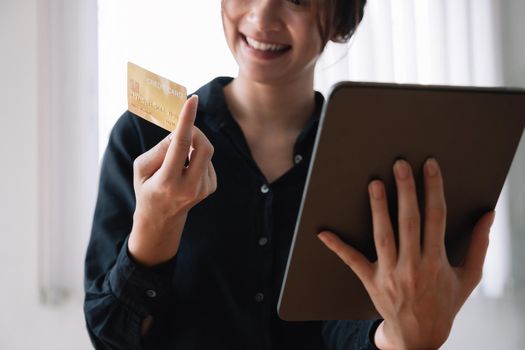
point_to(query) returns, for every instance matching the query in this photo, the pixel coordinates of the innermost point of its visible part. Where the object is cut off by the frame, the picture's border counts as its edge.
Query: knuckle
(410, 279)
(213, 181)
(410, 284)
(138, 166)
(341, 254)
(434, 267)
(213, 187)
(479, 276)
(407, 185)
(209, 150)
(390, 284)
(382, 240)
(199, 197)
(434, 182)
(476, 277)
(181, 141)
(412, 223)
(348, 259)
(437, 212)
(485, 241)
(411, 270)
(197, 193)
(165, 189)
(198, 133)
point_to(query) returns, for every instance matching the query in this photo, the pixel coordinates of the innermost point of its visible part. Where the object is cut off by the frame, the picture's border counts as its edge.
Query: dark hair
(338, 19)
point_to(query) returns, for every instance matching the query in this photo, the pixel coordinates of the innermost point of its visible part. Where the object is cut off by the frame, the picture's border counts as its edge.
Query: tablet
(364, 127)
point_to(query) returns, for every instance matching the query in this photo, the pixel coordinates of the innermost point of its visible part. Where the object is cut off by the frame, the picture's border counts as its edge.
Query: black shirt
(220, 291)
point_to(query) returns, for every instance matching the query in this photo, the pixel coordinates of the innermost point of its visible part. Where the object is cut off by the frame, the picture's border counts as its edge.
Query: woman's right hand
(165, 189)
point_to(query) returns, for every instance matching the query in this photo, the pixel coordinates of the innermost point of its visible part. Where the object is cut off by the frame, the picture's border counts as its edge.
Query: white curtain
(68, 136)
(443, 42)
(452, 42)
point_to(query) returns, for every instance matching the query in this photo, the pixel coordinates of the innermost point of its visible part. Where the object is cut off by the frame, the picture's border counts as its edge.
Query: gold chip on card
(154, 98)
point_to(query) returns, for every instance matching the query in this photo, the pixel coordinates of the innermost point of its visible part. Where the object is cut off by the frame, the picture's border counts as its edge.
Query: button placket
(259, 297)
(263, 241)
(150, 293)
(265, 189)
(264, 238)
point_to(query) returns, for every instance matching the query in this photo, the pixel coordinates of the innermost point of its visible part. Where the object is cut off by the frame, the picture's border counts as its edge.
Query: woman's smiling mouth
(258, 45)
(264, 50)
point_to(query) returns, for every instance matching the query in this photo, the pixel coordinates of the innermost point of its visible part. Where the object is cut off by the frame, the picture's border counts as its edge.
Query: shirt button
(259, 297)
(263, 241)
(265, 188)
(150, 293)
(297, 159)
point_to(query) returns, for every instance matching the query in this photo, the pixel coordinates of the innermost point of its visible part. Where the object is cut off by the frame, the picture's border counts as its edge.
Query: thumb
(473, 266)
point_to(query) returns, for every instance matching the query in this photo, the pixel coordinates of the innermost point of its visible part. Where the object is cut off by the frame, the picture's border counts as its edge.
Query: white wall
(18, 154)
(25, 323)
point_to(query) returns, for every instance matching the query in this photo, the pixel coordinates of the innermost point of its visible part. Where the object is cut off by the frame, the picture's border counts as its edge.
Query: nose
(264, 15)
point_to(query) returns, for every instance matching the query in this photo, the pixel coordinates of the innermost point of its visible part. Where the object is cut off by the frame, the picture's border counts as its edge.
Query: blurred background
(63, 85)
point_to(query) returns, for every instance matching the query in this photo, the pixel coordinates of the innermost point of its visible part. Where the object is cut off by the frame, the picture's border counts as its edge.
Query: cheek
(306, 31)
(230, 9)
(311, 43)
(227, 23)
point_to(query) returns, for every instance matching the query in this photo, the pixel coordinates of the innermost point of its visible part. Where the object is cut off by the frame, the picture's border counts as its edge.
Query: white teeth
(264, 46)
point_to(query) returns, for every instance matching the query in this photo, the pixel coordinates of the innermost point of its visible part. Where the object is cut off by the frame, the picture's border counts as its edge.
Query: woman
(191, 255)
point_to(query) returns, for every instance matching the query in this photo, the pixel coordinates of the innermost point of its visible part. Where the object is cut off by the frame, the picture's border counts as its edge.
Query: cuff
(143, 289)
(372, 332)
(350, 334)
(365, 336)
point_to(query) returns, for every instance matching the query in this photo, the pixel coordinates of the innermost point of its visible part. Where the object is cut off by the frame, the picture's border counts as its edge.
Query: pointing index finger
(186, 118)
(181, 137)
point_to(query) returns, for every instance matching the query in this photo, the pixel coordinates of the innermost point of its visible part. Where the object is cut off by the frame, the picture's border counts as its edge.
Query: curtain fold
(452, 42)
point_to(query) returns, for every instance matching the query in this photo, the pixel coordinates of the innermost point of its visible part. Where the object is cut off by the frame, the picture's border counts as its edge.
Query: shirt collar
(213, 103)
(216, 113)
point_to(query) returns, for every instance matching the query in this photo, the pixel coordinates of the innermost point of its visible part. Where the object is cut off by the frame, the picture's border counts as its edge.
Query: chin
(261, 77)
(267, 75)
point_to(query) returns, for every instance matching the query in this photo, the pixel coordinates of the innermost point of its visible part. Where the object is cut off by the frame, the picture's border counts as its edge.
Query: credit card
(154, 98)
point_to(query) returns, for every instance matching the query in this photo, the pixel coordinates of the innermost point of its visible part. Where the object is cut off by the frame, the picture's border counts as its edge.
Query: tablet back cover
(364, 128)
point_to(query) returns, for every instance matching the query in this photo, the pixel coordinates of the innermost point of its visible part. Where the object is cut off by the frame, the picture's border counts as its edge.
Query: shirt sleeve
(350, 334)
(119, 293)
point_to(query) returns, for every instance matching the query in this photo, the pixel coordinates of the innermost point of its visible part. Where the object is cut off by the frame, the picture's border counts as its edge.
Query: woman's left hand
(414, 288)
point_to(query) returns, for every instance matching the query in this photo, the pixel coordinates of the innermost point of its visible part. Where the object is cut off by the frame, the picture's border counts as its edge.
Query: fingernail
(376, 190)
(195, 105)
(401, 169)
(322, 236)
(431, 167)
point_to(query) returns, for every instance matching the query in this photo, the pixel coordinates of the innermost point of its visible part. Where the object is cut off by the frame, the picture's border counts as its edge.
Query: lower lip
(263, 55)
